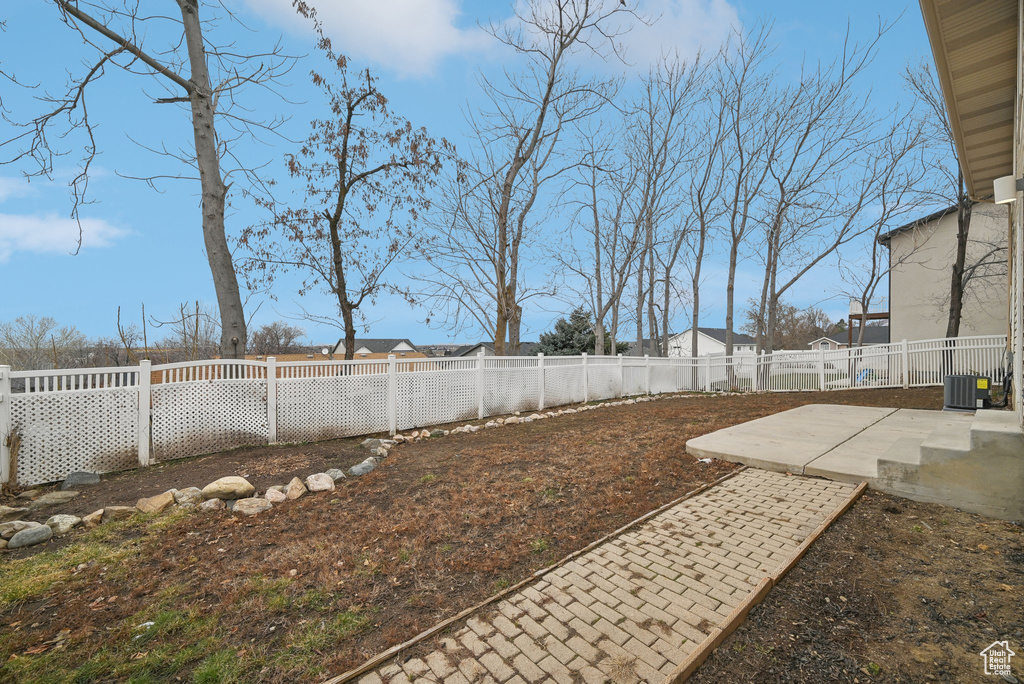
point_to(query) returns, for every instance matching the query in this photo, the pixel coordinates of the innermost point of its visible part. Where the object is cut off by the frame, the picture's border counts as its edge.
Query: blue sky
(145, 245)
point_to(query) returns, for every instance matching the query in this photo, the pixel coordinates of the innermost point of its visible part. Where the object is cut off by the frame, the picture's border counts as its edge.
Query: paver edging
(384, 656)
(740, 612)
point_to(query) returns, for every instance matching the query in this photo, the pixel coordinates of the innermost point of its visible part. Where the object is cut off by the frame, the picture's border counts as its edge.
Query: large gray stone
(80, 478)
(251, 506)
(7, 513)
(30, 537)
(61, 524)
(336, 474)
(9, 529)
(53, 499)
(370, 443)
(320, 482)
(188, 497)
(212, 505)
(363, 468)
(230, 487)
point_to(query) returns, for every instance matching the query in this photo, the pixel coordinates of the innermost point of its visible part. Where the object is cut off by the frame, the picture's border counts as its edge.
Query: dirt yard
(318, 585)
(894, 591)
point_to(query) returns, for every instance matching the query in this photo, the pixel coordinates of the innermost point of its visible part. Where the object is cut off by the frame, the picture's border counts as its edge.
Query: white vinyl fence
(107, 419)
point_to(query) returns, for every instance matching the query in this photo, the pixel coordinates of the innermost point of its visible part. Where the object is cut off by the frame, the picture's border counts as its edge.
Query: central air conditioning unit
(966, 393)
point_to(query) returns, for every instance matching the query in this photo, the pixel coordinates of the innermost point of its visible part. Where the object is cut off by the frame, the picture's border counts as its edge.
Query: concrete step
(948, 440)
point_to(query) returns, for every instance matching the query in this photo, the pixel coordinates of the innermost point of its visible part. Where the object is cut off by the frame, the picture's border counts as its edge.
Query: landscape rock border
(236, 493)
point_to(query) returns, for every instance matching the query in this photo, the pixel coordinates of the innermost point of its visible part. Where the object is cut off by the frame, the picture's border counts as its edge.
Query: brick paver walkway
(633, 608)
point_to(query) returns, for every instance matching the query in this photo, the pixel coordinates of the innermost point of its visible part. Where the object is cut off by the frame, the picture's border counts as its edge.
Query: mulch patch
(894, 591)
(439, 526)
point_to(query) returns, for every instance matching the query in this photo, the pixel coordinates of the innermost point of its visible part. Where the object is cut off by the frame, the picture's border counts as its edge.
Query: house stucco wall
(921, 260)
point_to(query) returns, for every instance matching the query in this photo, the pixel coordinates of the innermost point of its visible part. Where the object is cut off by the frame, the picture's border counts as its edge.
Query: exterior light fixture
(1005, 189)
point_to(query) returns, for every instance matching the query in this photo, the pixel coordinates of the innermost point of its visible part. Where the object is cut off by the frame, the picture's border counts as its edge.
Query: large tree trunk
(730, 296)
(956, 284)
(214, 192)
(350, 330)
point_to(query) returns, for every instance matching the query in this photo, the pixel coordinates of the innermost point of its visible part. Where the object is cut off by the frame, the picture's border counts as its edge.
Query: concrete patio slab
(898, 436)
(788, 441)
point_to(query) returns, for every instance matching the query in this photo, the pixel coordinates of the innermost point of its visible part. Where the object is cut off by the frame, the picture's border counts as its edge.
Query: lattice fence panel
(192, 418)
(436, 397)
(634, 377)
(603, 381)
(510, 386)
(563, 384)
(94, 430)
(311, 409)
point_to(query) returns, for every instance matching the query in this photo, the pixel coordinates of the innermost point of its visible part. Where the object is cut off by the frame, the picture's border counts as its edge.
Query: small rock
(156, 504)
(251, 506)
(53, 499)
(188, 497)
(399, 439)
(30, 537)
(212, 505)
(117, 513)
(570, 411)
(275, 495)
(320, 482)
(93, 519)
(371, 443)
(336, 474)
(381, 452)
(3, 543)
(30, 494)
(8, 513)
(9, 529)
(230, 487)
(490, 424)
(295, 489)
(80, 478)
(424, 433)
(511, 420)
(388, 443)
(362, 468)
(61, 524)
(499, 421)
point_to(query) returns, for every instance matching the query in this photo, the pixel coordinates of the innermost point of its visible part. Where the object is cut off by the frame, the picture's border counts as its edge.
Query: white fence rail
(105, 419)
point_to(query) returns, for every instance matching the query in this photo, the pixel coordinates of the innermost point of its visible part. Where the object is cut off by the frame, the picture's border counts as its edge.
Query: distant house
(370, 348)
(873, 334)
(921, 255)
(469, 350)
(710, 342)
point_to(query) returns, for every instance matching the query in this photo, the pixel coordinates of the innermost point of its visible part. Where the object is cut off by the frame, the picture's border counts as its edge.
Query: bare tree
(600, 189)
(822, 173)
(743, 92)
(660, 149)
(177, 54)
(364, 175)
(948, 187)
(485, 228)
(275, 338)
(40, 342)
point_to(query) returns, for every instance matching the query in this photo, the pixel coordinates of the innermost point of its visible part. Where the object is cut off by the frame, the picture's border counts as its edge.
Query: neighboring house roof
(376, 345)
(885, 238)
(718, 334)
(525, 348)
(873, 334)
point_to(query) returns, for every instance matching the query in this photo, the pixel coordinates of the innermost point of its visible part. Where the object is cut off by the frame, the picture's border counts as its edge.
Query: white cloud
(14, 187)
(410, 37)
(683, 26)
(49, 233)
